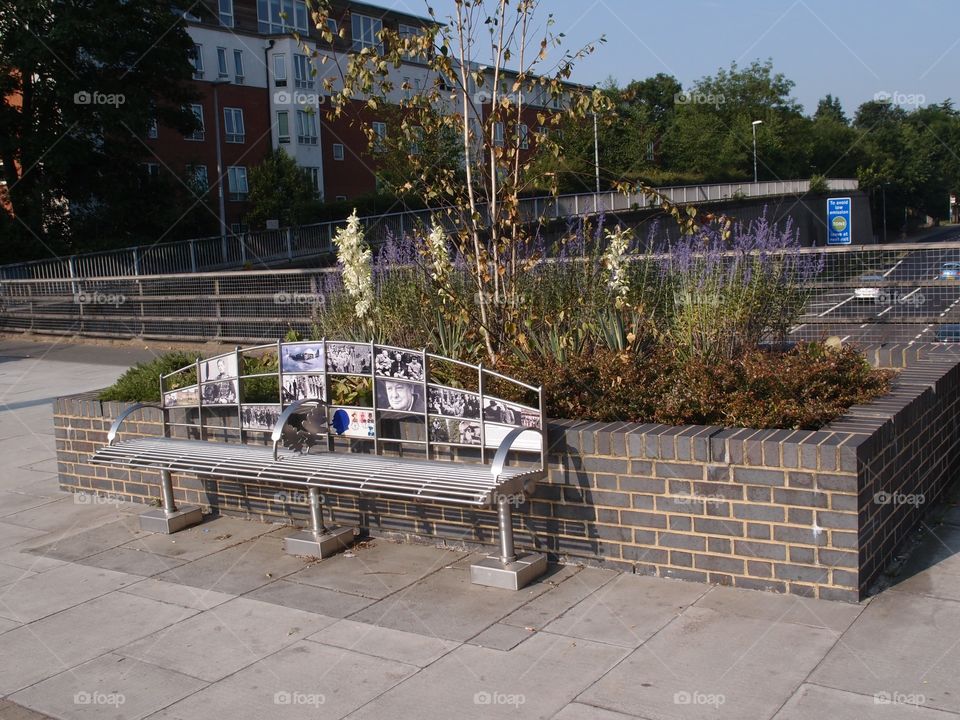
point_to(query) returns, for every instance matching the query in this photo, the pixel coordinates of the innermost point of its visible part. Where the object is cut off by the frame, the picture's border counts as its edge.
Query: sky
(853, 49)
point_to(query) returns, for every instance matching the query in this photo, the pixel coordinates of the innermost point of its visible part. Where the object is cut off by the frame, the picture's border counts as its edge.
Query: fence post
(193, 256)
(136, 260)
(243, 248)
(289, 243)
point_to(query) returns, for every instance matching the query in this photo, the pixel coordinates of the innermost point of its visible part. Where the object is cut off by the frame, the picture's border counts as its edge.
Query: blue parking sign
(838, 221)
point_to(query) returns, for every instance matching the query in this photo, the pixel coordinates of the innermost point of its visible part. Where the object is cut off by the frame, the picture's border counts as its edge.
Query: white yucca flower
(441, 267)
(614, 260)
(353, 253)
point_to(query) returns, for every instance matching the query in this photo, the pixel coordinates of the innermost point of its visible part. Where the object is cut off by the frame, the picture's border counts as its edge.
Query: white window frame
(235, 132)
(307, 130)
(368, 28)
(404, 31)
(153, 170)
(198, 135)
(302, 71)
(225, 12)
(380, 134)
(416, 140)
(152, 129)
(270, 21)
(498, 134)
(339, 152)
(333, 27)
(523, 136)
(238, 66)
(197, 60)
(315, 178)
(237, 185)
(222, 62)
(341, 198)
(280, 69)
(283, 137)
(199, 173)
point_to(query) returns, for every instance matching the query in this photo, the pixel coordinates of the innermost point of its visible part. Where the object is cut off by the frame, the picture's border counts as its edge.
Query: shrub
(141, 383)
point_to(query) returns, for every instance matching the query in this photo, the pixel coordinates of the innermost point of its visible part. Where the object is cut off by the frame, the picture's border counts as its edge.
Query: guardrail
(271, 247)
(899, 293)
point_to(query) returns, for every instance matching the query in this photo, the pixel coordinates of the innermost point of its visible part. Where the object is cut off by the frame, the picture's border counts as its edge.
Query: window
(277, 16)
(341, 197)
(226, 13)
(197, 60)
(651, 151)
(365, 30)
(555, 102)
(152, 169)
(406, 87)
(314, 173)
(238, 66)
(408, 31)
(283, 126)
(237, 182)
(498, 134)
(238, 228)
(542, 133)
(306, 128)
(199, 133)
(522, 136)
(198, 173)
(152, 128)
(280, 70)
(302, 77)
(332, 26)
(416, 140)
(379, 135)
(221, 62)
(337, 151)
(233, 122)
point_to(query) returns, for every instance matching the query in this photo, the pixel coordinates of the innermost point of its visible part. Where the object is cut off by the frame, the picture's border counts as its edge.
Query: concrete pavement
(100, 620)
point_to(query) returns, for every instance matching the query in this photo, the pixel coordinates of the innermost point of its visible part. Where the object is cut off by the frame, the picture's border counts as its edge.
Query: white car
(869, 290)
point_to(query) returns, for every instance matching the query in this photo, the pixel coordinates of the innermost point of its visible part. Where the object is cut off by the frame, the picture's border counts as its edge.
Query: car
(869, 287)
(950, 271)
(948, 333)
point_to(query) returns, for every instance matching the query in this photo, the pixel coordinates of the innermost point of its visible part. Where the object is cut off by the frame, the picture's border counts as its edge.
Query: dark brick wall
(800, 512)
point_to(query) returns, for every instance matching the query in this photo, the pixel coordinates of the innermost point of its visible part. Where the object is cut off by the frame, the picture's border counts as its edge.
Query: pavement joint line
(863, 695)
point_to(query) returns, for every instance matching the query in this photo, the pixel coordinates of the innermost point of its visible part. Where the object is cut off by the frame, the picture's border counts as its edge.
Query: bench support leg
(169, 519)
(507, 570)
(320, 541)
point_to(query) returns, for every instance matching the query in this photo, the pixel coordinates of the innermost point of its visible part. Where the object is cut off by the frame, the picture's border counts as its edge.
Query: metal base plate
(493, 572)
(336, 539)
(159, 521)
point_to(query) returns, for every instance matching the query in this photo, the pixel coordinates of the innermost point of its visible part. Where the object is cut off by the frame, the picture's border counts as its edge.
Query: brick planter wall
(817, 514)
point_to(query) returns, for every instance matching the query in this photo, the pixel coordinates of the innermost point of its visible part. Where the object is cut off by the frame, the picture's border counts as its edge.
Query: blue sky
(850, 48)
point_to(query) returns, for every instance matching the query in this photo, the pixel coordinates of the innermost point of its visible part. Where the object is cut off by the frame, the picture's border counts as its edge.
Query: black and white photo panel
(399, 364)
(259, 417)
(528, 440)
(453, 403)
(306, 357)
(498, 411)
(348, 358)
(455, 432)
(303, 387)
(184, 397)
(399, 395)
(219, 368)
(222, 392)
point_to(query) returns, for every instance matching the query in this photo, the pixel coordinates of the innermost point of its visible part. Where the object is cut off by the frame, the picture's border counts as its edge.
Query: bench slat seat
(458, 483)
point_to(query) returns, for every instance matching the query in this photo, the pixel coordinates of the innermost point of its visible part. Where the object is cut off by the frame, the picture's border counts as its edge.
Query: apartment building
(260, 89)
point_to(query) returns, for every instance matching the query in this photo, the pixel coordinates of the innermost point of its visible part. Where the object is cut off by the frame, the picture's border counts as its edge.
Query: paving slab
(310, 598)
(220, 641)
(814, 701)
(707, 664)
(84, 543)
(110, 685)
(534, 680)
(49, 646)
(21, 557)
(542, 610)
(933, 567)
(7, 625)
(835, 616)
(627, 610)
(66, 516)
(447, 605)
(10, 574)
(46, 593)
(11, 711)
(37, 483)
(387, 643)
(304, 680)
(13, 502)
(16, 534)
(376, 569)
(238, 569)
(579, 711)
(902, 643)
(183, 595)
(501, 637)
(132, 560)
(214, 534)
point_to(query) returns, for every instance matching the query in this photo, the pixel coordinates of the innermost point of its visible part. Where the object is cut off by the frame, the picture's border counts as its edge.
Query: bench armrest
(500, 459)
(123, 416)
(285, 417)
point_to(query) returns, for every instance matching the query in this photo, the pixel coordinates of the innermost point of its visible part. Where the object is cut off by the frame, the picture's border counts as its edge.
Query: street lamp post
(216, 123)
(754, 124)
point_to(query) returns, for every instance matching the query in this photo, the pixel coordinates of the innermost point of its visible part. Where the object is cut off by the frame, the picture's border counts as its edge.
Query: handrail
(123, 416)
(277, 433)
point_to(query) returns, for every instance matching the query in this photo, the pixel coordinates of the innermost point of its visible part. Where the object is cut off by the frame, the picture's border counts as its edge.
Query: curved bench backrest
(383, 394)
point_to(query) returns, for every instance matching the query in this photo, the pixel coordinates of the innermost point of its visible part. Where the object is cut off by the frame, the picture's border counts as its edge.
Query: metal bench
(404, 411)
